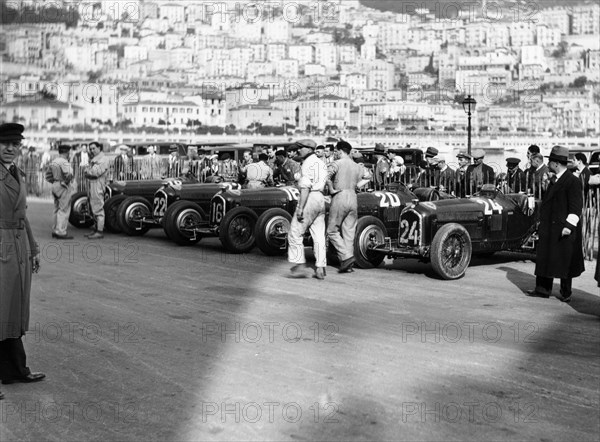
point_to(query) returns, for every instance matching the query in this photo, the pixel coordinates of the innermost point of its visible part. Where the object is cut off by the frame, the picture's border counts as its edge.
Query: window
(59, 114)
(100, 100)
(144, 109)
(159, 109)
(190, 110)
(75, 114)
(152, 109)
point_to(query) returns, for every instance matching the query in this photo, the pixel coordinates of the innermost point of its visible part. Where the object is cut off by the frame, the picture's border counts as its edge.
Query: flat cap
(463, 155)
(512, 161)
(431, 152)
(173, 148)
(11, 132)
(310, 144)
(478, 153)
(225, 156)
(123, 148)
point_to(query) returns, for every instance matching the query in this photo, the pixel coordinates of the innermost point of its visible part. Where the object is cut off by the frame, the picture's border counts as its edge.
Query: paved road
(145, 340)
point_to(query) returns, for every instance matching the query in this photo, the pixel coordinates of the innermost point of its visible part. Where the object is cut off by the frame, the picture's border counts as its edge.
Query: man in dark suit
(515, 177)
(559, 249)
(583, 171)
(479, 173)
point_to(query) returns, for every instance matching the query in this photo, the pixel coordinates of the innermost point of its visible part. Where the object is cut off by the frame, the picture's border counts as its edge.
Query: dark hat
(64, 148)
(320, 147)
(478, 153)
(225, 156)
(380, 148)
(559, 154)
(173, 148)
(31, 148)
(463, 155)
(512, 161)
(280, 153)
(11, 132)
(534, 148)
(431, 152)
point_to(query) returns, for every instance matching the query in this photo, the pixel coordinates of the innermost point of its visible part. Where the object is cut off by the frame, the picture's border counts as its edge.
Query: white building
(322, 111)
(303, 53)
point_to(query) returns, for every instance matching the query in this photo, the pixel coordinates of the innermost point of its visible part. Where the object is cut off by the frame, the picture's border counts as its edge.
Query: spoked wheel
(370, 232)
(451, 251)
(237, 230)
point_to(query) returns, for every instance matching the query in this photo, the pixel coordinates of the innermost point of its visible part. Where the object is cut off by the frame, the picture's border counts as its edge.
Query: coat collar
(10, 180)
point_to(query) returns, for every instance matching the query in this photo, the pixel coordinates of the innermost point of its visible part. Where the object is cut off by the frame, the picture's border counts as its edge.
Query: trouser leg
(348, 233)
(13, 360)
(64, 211)
(334, 221)
(317, 231)
(566, 287)
(296, 241)
(55, 216)
(543, 284)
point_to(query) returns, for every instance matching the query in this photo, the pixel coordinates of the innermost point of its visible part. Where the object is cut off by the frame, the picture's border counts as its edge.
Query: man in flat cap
(310, 213)
(479, 173)
(20, 257)
(559, 249)
(228, 169)
(60, 175)
(464, 161)
(515, 177)
(97, 175)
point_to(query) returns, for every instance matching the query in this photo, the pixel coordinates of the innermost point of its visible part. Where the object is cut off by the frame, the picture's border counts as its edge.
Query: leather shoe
(298, 271)
(566, 299)
(320, 273)
(346, 266)
(535, 294)
(54, 235)
(93, 232)
(31, 377)
(97, 235)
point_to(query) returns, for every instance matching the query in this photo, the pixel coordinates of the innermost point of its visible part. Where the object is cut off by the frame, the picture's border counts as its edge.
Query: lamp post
(469, 107)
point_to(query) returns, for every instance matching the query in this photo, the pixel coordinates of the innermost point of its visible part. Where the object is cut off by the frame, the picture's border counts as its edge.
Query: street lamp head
(469, 104)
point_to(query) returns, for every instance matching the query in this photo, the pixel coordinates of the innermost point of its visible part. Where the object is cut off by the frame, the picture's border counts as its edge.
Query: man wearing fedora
(479, 173)
(559, 249)
(97, 174)
(310, 212)
(19, 258)
(60, 175)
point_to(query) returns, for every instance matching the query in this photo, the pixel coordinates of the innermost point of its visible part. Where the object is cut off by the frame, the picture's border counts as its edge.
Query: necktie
(13, 171)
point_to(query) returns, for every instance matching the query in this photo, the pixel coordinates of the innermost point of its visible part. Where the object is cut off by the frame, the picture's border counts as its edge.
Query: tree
(562, 49)
(579, 82)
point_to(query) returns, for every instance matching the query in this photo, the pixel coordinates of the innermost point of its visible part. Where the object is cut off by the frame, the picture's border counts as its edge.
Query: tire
(451, 251)
(130, 209)
(237, 230)
(179, 216)
(81, 211)
(111, 207)
(271, 222)
(368, 230)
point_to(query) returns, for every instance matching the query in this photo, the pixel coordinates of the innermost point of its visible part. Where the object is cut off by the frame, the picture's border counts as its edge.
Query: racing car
(448, 232)
(241, 218)
(138, 214)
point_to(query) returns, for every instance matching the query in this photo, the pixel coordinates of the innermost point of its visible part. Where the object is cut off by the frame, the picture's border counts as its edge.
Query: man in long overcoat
(19, 257)
(559, 250)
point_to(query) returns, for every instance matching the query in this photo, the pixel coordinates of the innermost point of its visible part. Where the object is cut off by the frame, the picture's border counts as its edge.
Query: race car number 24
(409, 232)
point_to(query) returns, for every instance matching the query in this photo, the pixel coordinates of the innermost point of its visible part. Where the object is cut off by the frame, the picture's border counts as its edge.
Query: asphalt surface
(145, 340)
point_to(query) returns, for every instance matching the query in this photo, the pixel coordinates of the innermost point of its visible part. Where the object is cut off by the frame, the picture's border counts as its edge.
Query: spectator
(174, 165)
(259, 174)
(446, 176)
(538, 176)
(32, 165)
(287, 169)
(60, 175)
(97, 176)
(479, 173)
(582, 171)
(151, 165)
(228, 170)
(462, 187)
(123, 164)
(515, 177)
(382, 167)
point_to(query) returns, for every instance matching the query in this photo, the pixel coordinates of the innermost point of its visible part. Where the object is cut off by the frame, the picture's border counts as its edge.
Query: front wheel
(237, 230)
(180, 221)
(81, 211)
(370, 232)
(130, 213)
(272, 228)
(450, 251)
(111, 207)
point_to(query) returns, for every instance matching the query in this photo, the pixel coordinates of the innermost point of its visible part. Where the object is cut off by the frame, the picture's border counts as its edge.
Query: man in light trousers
(60, 174)
(310, 213)
(346, 175)
(97, 175)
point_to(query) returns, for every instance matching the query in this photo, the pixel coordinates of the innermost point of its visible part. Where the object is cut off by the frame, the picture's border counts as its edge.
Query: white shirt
(314, 174)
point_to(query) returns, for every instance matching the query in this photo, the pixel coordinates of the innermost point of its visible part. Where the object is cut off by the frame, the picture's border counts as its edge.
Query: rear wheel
(111, 207)
(272, 228)
(237, 230)
(180, 221)
(81, 211)
(370, 232)
(450, 251)
(130, 213)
